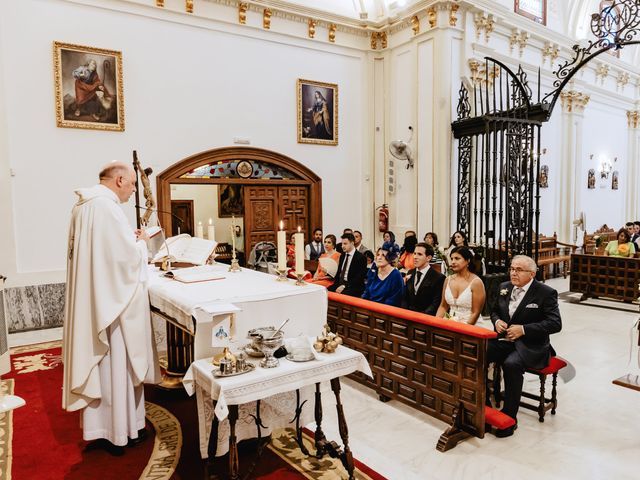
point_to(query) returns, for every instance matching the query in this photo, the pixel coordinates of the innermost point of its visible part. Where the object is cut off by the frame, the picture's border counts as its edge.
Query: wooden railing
(603, 276)
(436, 366)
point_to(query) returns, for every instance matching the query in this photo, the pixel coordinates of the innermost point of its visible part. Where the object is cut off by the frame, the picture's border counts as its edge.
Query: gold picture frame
(317, 111)
(89, 87)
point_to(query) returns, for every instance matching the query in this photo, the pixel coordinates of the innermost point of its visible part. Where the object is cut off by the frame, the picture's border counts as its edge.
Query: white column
(569, 204)
(632, 185)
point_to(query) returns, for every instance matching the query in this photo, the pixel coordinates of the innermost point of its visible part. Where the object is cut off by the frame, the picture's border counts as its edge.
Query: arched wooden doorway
(275, 187)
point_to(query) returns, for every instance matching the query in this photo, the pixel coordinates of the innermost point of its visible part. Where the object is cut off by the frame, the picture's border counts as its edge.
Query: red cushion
(555, 365)
(417, 317)
(497, 419)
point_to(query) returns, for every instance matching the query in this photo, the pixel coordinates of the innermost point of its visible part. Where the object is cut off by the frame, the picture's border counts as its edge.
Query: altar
(252, 299)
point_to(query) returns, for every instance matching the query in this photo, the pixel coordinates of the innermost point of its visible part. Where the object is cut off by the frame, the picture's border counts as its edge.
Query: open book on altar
(187, 249)
(204, 273)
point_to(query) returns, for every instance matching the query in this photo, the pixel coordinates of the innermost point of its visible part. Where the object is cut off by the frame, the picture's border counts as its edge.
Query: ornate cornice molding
(518, 39)
(633, 119)
(551, 51)
(574, 101)
(602, 72)
(484, 23)
(479, 74)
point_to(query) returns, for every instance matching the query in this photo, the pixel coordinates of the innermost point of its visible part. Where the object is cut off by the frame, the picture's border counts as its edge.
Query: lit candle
(298, 240)
(211, 230)
(282, 248)
(199, 230)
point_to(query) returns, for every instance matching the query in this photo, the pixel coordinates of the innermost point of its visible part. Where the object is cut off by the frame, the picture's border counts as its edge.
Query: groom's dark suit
(427, 298)
(539, 314)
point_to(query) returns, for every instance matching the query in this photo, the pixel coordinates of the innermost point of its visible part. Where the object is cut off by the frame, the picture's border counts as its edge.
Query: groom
(524, 316)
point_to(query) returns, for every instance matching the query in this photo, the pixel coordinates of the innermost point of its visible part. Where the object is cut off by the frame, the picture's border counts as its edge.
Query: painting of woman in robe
(317, 112)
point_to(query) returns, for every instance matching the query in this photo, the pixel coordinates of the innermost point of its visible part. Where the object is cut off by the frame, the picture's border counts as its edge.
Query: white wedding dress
(460, 307)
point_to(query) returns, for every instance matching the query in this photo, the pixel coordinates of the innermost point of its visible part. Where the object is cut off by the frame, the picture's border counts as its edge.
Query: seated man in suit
(352, 269)
(423, 290)
(524, 316)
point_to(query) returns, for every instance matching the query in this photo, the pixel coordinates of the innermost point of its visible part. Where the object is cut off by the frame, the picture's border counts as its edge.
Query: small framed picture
(544, 176)
(88, 85)
(614, 180)
(230, 201)
(535, 10)
(591, 179)
(317, 106)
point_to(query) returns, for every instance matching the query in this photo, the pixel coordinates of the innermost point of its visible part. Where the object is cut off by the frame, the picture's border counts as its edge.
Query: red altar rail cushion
(412, 316)
(497, 419)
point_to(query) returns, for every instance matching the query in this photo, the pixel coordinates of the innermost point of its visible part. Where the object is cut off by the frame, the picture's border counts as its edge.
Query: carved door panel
(182, 209)
(294, 208)
(260, 214)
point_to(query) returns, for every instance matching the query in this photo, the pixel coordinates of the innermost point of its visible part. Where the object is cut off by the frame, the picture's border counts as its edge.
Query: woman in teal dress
(622, 247)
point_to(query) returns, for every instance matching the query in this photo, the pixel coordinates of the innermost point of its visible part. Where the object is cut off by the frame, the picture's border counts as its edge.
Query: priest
(108, 345)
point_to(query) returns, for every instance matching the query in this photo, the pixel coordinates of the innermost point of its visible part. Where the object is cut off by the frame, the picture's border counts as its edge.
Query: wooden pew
(605, 233)
(602, 276)
(553, 256)
(434, 365)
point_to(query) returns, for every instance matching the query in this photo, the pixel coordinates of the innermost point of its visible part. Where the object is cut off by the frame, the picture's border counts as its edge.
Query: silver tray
(250, 367)
(291, 358)
(252, 352)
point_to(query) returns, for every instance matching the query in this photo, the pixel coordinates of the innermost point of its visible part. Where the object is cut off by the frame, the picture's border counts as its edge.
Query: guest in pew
(431, 238)
(406, 263)
(524, 316)
(359, 245)
(423, 290)
(463, 295)
(352, 269)
(328, 261)
(371, 258)
(622, 247)
(339, 245)
(635, 238)
(385, 284)
(389, 237)
(315, 248)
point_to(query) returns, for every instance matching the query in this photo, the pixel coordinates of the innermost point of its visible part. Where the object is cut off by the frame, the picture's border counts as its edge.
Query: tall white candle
(233, 232)
(298, 240)
(282, 248)
(199, 230)
(211, 230)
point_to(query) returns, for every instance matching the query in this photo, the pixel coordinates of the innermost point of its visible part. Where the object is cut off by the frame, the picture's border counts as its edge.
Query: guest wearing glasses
(524, 316)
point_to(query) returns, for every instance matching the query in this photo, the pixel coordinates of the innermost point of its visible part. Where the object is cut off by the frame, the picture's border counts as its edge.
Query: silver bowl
(264, 340)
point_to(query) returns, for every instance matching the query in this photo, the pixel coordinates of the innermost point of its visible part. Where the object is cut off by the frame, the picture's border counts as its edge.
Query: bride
(463, 293)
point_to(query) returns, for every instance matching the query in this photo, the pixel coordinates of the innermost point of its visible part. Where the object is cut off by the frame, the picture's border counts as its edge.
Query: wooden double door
(265, 206)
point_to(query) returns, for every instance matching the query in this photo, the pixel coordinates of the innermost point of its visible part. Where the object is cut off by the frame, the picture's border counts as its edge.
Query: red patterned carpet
(47, 441)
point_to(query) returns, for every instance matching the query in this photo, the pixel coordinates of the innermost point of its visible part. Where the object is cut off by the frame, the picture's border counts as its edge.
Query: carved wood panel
(294, 208)
(261, 212)
(428, 368)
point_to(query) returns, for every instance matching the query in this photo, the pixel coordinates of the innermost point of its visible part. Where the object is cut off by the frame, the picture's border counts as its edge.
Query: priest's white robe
(108, 345)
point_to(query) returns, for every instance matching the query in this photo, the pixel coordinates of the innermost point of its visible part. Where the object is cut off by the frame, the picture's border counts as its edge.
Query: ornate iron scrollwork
(464, 107)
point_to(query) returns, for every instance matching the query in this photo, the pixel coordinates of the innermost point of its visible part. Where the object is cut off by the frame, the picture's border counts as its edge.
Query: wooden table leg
(319, 435)
(346, 456)
(233, 445)
(299, 406)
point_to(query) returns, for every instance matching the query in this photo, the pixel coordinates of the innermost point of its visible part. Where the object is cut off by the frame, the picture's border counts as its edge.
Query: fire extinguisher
(383, 217)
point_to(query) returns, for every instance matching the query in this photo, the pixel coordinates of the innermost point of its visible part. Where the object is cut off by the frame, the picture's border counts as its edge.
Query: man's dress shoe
(142, 436)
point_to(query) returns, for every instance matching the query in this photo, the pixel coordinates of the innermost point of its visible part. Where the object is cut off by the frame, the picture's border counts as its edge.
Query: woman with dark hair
(328, 261)
(384, 283)
(390, 237)
(463, 294)
(406, 259)
(622, 247)
(431, 238)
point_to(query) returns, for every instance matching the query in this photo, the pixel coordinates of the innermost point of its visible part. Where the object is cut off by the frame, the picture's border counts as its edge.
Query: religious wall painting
(591, 179)
(230, 201)
(535, 10)
(88, 85)
(614, 180)
(317, 111)
(544, 176)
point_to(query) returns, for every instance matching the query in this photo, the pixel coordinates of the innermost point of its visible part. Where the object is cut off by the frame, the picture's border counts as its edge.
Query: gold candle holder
(282, 275)
(300, 282)
(226, 353)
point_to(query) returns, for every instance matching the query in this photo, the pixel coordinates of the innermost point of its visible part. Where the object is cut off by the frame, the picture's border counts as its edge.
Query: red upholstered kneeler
(543, 404)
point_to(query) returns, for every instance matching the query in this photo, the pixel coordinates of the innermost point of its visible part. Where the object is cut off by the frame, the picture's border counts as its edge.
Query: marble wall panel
(34, 307)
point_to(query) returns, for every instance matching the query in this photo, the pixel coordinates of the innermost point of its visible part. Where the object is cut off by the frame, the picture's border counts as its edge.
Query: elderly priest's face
(125, 185)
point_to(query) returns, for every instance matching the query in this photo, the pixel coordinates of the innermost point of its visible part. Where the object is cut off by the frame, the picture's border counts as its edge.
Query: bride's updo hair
(465, 253)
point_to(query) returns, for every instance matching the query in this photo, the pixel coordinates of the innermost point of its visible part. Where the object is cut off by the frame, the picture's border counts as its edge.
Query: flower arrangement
(504, 291)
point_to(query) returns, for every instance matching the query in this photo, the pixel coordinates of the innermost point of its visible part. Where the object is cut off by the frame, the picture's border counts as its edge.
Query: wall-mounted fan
(400, 149)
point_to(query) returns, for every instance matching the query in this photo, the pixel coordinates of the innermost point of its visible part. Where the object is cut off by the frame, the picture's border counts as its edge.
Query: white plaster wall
(187, 89)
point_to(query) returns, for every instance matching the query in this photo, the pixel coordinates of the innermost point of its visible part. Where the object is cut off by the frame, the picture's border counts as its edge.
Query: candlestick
(199, 230)
(211, 230)
(282, 248)
(298, 239)
(233, 233)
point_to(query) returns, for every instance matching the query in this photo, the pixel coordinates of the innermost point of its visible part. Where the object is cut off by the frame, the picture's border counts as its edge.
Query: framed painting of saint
(317, 107)
(88, 85)
(230, 201)
(535, 10)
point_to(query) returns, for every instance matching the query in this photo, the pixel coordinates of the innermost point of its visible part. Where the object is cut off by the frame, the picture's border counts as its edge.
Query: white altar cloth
(274, 386)
(263, 302)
